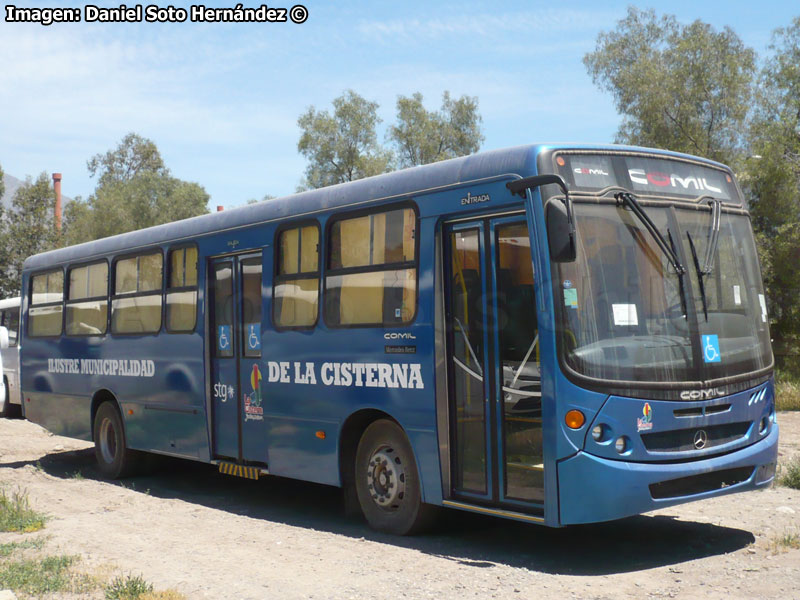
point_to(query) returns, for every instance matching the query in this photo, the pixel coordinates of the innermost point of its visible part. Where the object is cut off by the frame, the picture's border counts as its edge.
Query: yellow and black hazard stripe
(239, 470)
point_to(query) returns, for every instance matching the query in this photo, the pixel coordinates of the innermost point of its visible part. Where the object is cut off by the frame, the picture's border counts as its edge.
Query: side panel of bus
(157, 379)
(292, 405)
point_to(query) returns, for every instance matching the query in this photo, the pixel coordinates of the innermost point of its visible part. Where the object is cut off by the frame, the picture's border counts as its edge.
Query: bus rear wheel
(387, 481)
(114, 459)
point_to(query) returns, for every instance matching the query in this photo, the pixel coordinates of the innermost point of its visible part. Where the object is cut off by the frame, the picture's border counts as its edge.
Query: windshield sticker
(592, 171)
(571, 298)
(625, 314)
(737, 295)
(763, 302)
(646, 422)
(671, 180)
(711, 349)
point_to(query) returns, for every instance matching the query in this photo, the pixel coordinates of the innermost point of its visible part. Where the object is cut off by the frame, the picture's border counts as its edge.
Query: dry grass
(784, 542)
(169, 594)
(790, 476)
(17, 515)
(787, 395)
(135, 587)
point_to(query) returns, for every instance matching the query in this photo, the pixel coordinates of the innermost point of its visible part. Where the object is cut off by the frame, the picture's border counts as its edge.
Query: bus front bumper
(595, 489)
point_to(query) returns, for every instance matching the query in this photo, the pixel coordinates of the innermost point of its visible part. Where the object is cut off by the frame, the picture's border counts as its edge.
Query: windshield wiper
(713, 236)
(636, 209)
(700, 275)
(711, 250)
(681, 284)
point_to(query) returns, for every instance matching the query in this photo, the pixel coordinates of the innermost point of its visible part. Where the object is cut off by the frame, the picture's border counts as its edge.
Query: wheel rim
(386, 478)
(108, 441)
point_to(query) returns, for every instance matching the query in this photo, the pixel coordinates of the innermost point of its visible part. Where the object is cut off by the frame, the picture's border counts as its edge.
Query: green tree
(772, 178)
(423, 136)
(135, 190)
(25, 229)
(343, 146)
(2, 184)
(132, 156)
(683, 87)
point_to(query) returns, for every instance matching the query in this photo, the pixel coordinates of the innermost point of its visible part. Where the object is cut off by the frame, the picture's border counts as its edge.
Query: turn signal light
(575, 419)
(321, 434)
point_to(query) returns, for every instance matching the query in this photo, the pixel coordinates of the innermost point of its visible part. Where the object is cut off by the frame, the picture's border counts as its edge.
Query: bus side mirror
(3, 338)
(560, 234)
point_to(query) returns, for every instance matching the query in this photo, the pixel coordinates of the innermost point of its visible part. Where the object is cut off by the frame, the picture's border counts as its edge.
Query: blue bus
(558, 334)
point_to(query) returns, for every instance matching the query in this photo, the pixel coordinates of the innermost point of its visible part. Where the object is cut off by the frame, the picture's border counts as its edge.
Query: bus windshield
(627, 315)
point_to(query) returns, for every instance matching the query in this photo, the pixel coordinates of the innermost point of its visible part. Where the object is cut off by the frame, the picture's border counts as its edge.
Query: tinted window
(372, 274)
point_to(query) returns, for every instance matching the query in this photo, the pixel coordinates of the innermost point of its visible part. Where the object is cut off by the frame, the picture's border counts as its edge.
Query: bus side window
(372, 271)
(11, 321)
(87, 300)
(251, 306)
(138, 284)
(296, 294)
(46, 308)
(182, 290)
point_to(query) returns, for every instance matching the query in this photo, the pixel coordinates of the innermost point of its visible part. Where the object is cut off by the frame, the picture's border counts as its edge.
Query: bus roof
(9, 302)
(518, 160)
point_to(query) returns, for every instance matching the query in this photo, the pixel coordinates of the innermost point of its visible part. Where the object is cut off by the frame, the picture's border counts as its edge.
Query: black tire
(387, 481)
(114, 459)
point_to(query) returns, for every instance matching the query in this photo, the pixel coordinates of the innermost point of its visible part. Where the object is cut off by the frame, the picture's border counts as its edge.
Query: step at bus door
(235, 303)
(493, 364)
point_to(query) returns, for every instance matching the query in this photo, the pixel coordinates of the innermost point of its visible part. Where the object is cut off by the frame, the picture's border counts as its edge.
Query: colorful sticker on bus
(254, 336)
(224, 338)
(711, 349)
(252, 402)
(645, 423)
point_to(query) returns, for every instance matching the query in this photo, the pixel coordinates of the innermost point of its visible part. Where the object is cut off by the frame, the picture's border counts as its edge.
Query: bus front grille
(683, 440)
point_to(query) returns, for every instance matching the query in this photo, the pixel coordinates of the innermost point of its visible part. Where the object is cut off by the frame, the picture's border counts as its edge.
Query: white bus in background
(11, 405)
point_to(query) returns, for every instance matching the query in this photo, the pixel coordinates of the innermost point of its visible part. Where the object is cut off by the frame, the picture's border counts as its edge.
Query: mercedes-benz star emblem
(700, 439)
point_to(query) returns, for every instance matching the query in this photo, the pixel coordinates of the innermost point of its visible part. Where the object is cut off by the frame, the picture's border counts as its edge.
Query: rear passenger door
(235, 302)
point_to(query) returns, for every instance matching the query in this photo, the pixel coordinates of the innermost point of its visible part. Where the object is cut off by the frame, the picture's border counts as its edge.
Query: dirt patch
(212, 536)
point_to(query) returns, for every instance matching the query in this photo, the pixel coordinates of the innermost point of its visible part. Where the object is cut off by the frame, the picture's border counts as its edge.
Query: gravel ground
(211, 536)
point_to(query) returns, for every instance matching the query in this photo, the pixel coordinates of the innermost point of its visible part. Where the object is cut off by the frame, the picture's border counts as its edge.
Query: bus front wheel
(387, 481)
(114, 459)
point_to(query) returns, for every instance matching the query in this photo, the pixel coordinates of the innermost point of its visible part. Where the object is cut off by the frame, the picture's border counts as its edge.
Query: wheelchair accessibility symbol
(224, 337)
(711, 348)
(254, 336)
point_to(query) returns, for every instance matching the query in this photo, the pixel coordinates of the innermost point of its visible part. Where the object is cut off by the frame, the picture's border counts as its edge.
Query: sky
(221, 100)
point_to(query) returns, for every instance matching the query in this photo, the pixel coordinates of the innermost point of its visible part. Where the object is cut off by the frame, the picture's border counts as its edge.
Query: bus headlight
(598, 432)
(621, 445)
